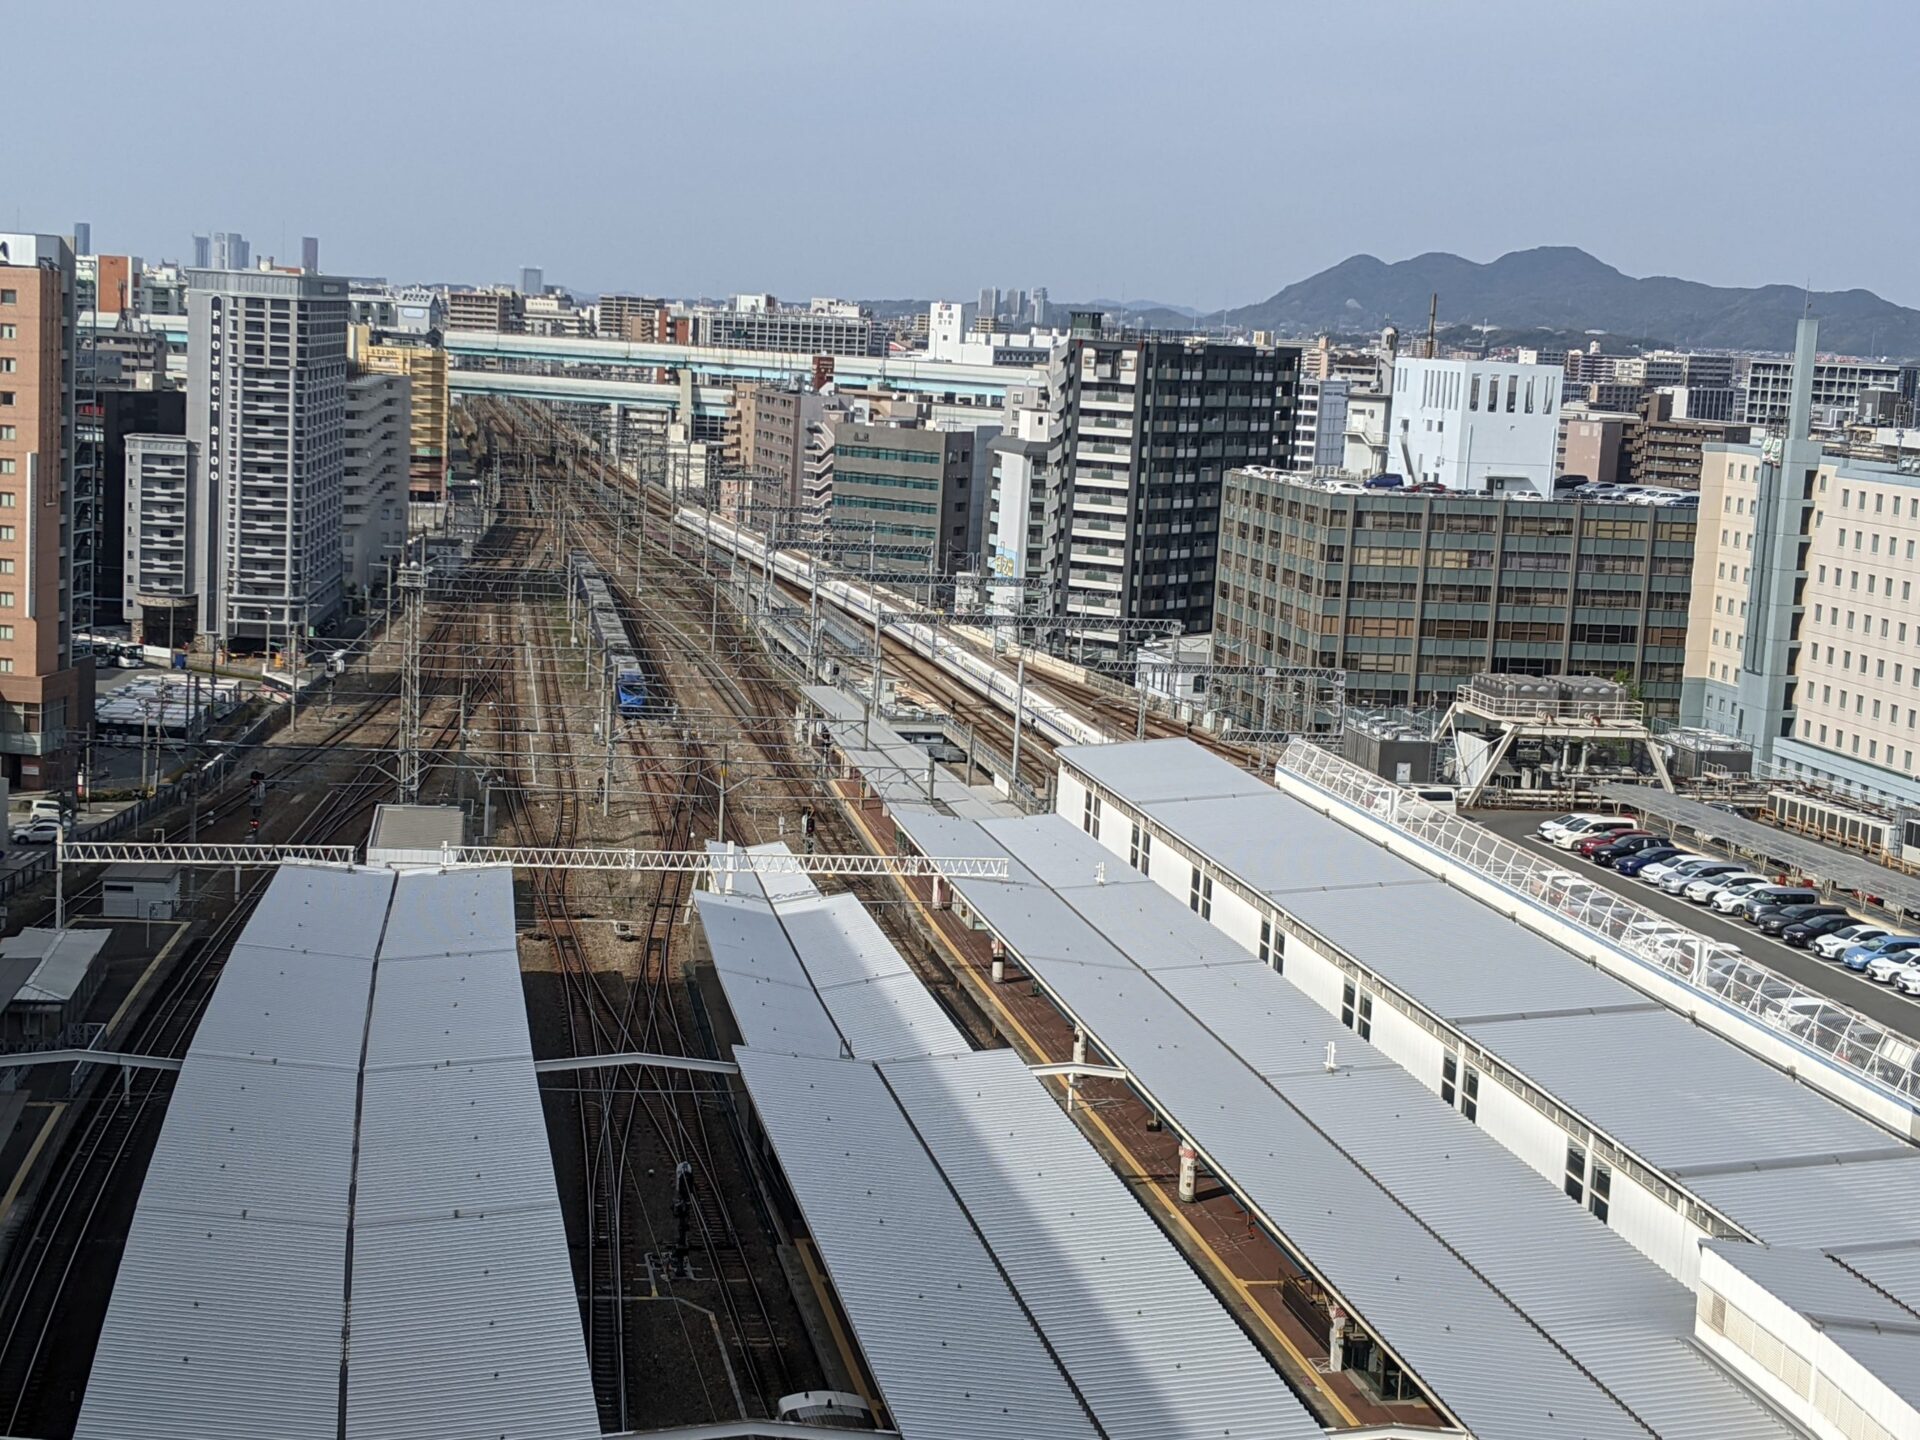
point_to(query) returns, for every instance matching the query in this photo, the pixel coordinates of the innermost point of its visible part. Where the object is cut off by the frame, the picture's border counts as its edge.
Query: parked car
(1701, 892)
(1794, 1012)
(1762, 898)
(1802, 933)
(1653, 874)
(1858, 957)
(1571, 834)
(1547, 829)
(38, 832)
(1891, 958)
(1907, 982)
(1836, 943)
(1613, 852)
(1899, 972)
(1731, 901)
(1778, 917)
(1590, 845)
(1676, 879)
(1635, 864)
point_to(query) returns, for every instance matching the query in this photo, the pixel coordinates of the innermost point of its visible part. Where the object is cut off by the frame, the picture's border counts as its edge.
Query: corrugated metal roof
(1690, 1105)
(1882, 1336)
(1470, 961)
(1441, 1199)
(807, 972)
(774, 1004)
(1621, 1071)
(899, 771)
(62, 959)
(950, 1347)
(1893, 1269)
(1148, 1345)
(228, 1314)
(1391, 1270)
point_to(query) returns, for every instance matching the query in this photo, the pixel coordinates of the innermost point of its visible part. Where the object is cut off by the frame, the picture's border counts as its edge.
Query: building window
(6, 397)
(1273, 945)
(7, 432)
(8, 365)
(8, 499)
(1356, 1011)
(1600, 1191)
(1090, 814)
(1200, 895)
(7, 467)
(9, 332)
(1575, 1183)
(6, 632)
(6, 599)
(1140, 849)
(1449, 1078)
(1459, 1086)
(9, 297)
(6, 666)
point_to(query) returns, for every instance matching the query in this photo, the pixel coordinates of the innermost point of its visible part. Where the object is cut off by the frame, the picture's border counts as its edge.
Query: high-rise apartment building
(164, 574)
(266, 412)
(629, 317)
(767, 437)
(310, 254)
(1029, 448)
(533, 280)
(1320, 425)
(374, 475)
(46, 699)
(1412, 594)
(425, 366)
(230, 251)
(202, 251)
(1667, 451)
(493, 312)
(1150, 427)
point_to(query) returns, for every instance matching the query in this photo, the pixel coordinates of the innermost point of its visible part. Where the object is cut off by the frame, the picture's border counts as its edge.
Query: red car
(1610, 837)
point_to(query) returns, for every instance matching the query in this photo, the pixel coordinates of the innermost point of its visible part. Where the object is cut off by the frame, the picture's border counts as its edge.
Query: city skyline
(1285, 164)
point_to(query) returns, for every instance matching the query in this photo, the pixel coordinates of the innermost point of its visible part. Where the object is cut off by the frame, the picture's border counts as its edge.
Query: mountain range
(1565, 290)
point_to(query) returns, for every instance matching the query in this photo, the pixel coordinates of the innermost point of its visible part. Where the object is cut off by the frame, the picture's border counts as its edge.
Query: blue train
(608, 629)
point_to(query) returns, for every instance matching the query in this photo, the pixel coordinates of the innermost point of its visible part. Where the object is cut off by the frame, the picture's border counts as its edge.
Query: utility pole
(409, 759)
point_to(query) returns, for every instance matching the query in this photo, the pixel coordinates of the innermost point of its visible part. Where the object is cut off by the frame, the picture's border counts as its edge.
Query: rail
(1860, 1046)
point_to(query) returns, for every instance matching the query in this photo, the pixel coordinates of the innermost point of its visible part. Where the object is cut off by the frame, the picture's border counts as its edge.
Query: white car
(1702, 891)
(1571, 834)
(1836, 943)
(1728, 902)
(1660, 869)
(1884, 967)
(1907, 982)
(1546, 829)
(38, 832)
(1793, 1013)
(1677, 879)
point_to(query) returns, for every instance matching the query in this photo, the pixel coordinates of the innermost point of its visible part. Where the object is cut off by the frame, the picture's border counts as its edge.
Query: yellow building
(426, 367)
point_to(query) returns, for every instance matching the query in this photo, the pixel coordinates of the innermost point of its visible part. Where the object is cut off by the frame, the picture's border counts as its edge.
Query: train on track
(607, 627)
(976, 671)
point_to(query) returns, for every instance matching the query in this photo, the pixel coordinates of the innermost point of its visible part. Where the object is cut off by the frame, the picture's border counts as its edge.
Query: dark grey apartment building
(1151, 427)
(1412, 594)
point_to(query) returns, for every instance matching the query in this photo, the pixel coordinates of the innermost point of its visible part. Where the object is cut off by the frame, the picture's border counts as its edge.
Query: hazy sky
(1195, 153)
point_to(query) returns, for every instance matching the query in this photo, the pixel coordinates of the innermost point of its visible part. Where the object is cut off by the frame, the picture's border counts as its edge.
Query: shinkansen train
(970, 668)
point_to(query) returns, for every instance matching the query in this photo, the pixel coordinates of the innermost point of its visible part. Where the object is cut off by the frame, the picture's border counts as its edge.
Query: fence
(1813, 1021)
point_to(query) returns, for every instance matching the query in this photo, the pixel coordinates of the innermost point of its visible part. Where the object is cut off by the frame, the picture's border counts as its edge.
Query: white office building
(1475, 425)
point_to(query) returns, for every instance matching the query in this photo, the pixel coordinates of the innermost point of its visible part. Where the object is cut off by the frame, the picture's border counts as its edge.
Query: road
(1882, 1002)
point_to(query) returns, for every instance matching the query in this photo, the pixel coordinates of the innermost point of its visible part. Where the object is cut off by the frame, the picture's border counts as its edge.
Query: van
(1440, 797)
(47, 807)
(1762, 898)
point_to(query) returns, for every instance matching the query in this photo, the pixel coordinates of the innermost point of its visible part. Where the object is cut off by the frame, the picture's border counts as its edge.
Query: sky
(1193, 153)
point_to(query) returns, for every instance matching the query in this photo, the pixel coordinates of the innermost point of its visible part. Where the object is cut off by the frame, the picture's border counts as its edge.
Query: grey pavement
(1882, 1002)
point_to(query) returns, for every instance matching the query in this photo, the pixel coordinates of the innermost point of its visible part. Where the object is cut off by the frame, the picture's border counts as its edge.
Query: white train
(978, 673)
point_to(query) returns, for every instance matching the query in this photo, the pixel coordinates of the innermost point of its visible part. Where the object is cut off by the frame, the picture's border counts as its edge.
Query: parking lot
(1880, 1002)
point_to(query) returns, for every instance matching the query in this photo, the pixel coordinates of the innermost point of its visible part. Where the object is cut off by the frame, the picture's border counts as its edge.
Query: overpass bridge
(711, 367)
